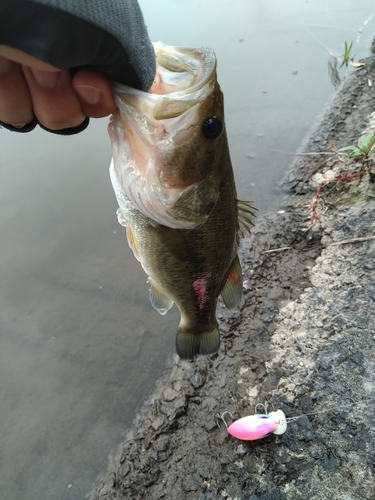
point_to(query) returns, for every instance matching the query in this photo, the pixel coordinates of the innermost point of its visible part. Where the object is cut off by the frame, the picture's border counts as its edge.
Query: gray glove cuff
(108, 35)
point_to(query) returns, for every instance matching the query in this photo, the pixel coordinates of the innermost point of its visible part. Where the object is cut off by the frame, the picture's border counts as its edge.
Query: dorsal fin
(232, 290)
(245, 216)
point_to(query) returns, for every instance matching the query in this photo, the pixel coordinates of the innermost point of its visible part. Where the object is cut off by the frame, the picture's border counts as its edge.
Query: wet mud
(303, 341)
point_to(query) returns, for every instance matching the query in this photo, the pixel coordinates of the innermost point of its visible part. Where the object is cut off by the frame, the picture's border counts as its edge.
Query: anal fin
(159, 301)
(232, 290)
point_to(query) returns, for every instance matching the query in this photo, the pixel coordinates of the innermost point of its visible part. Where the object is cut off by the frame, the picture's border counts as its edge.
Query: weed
(346, 58)
(315, 213)
(362, 153)
(364, 150)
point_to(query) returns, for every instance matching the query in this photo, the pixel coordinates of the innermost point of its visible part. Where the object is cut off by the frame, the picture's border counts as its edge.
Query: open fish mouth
(154, 135)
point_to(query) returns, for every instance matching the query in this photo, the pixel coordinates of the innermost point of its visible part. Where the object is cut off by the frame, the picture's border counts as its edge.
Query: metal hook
(223, 419)
(264, 406)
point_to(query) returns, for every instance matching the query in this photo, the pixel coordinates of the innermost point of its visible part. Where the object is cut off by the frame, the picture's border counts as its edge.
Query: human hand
(31, 88)
(57, 59)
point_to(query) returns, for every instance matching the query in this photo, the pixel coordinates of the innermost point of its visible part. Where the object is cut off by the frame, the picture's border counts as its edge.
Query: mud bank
(303, 341)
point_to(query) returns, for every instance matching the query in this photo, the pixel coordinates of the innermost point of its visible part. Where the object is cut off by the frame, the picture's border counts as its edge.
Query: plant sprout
(347, 53)
(364, 150)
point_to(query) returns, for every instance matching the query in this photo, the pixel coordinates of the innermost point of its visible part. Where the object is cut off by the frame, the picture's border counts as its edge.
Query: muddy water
(80, 346)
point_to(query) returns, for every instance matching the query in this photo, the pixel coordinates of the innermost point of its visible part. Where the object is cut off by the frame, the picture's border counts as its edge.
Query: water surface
(80, 344)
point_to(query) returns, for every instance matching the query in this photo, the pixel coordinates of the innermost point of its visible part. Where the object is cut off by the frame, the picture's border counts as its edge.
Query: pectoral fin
(197, 202)
(132, 242)
(159, 300)
(174, 241)
(232, 291)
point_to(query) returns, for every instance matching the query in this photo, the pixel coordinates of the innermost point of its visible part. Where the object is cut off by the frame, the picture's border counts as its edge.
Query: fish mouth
(149, 126)
(182, 75)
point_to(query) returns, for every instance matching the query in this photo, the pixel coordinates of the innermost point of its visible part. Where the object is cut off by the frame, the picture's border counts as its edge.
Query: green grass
(347, 57)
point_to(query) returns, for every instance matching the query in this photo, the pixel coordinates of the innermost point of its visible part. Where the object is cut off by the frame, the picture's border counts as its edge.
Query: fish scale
(185, 233)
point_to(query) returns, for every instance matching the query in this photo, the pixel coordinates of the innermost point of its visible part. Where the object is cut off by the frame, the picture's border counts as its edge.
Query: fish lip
(205, 59)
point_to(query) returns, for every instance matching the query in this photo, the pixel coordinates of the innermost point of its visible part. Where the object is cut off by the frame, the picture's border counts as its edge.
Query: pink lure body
(258, 426)
(252, 427)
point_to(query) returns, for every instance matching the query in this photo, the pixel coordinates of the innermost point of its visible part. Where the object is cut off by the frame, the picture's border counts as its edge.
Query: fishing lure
(261, 425)
(257, 426)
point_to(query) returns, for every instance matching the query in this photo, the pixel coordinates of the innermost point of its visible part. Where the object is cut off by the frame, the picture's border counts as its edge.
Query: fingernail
(18, 125)
(5, 64)
(46, 78)
(91, 95)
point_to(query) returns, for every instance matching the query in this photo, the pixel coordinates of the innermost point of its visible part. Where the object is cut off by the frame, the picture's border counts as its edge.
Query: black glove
(108, 36)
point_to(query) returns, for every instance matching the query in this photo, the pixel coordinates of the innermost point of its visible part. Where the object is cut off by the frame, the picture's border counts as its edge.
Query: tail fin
(189, 345)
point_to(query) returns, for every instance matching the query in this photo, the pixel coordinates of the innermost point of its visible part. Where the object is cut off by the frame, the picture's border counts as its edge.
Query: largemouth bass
(173, 179)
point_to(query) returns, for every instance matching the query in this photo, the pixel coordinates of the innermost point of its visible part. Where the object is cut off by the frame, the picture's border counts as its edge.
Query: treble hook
(223, 419)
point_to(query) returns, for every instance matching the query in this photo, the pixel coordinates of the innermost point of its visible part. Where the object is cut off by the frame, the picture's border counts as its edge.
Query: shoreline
(302, 340)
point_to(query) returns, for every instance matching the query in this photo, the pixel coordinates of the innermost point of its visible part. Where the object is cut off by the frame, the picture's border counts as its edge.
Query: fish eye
(212, 127)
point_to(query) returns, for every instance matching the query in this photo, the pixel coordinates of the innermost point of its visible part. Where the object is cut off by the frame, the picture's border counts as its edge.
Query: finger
(25, 59)
(16, 106)
(94, 93)
(55, 102)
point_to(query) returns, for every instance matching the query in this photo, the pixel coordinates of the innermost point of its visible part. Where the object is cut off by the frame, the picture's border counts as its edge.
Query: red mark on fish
(199, 287)
(233, 275)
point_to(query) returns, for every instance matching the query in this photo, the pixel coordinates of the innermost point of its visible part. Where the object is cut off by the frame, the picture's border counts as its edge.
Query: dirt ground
(303, 341)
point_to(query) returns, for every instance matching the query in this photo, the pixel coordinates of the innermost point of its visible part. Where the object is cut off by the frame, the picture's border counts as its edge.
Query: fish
(173, 179)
